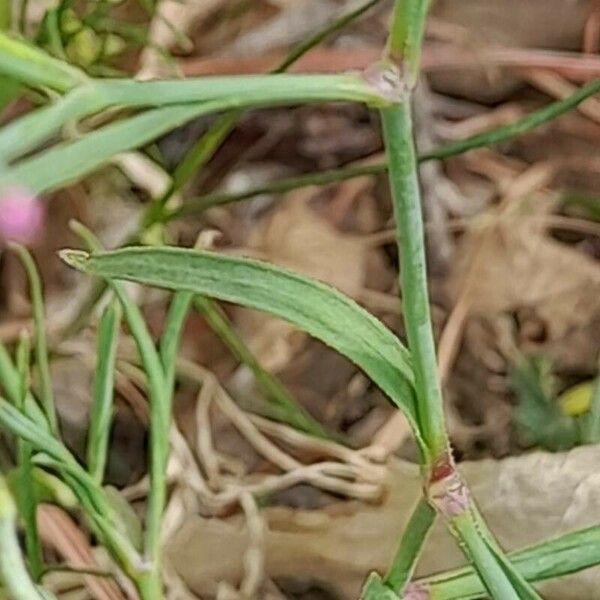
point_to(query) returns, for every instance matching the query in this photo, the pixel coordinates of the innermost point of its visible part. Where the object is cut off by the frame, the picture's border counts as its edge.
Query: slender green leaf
(231, 92)
(557, 557)
(411, 545)
(26, 489)
(102, 407)
(76, 159)
(282, 405)
(314, 307)
(169, 343)
(27, 132)
(89, 494)
(495, 136)
(11, 384)
(160, 405)
(41, 345)
(34, 67)
(478, 551)
(13, 573)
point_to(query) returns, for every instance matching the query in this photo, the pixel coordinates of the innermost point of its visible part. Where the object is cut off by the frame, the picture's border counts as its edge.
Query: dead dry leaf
(520, 266)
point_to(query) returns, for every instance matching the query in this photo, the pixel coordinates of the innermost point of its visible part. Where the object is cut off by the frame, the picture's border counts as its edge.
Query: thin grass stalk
(104, 521)
(411, 544)
(494, 136)
(27, 494)
(444, 487)
(104, 378)
(160, 420)
(13, 572)
(169, 343)
(46, 392)
(282, 405)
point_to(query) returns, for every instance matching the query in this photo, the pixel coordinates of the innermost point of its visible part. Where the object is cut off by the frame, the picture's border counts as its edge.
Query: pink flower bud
(22, 216)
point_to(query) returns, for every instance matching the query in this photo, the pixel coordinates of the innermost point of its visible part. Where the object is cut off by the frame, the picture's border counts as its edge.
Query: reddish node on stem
(386, 79)
(416, 591)
(447, 489)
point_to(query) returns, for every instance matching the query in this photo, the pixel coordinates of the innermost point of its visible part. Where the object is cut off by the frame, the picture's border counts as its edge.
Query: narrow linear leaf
(411, 546)
(160, 403)
(557, 557)
(46, 392)
(282, 405)
(90, 495)
(34, 67)
(102, 408)
(26, 489)
(313, 307)
(76, 159)
(10, 384)
(13, 573)
(494, 136)
(169, 343)
(479, 553)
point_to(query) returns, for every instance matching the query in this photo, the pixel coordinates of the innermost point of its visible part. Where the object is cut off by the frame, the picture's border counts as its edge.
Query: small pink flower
(22, 216)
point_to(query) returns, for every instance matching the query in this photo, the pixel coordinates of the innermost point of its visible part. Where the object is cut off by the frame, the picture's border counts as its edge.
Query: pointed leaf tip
(74, 258)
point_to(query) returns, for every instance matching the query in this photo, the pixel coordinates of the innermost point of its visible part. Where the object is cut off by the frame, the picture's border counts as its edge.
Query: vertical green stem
(40, 342)
(104, 379)
(26, 489)
(411, 544)
(444, 487)
(403, 174)
(13, 573)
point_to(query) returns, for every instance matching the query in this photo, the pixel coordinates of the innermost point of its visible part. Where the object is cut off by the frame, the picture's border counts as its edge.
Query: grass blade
(339, 322)
(41, 345)
(102, 408)
(561, 556)
(26, 133)
(495, 136)
(160, 417)
(282, 405)
(34, 67)
(27, 495)
(411, 544)
(169, 343)
(13, 572)
(40, 174)
(90, 495)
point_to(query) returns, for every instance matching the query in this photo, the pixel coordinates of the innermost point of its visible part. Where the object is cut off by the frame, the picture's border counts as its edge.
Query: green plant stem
(160, 420)
(398, 135)
(406, 39)
(26, 489)
(13, 572)
(169, 343)
(495, 136)
(411, 544)
(102, 408)
(493, 577)
(36, 68)
(41, 345)
(444, 487)
(283, 406)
